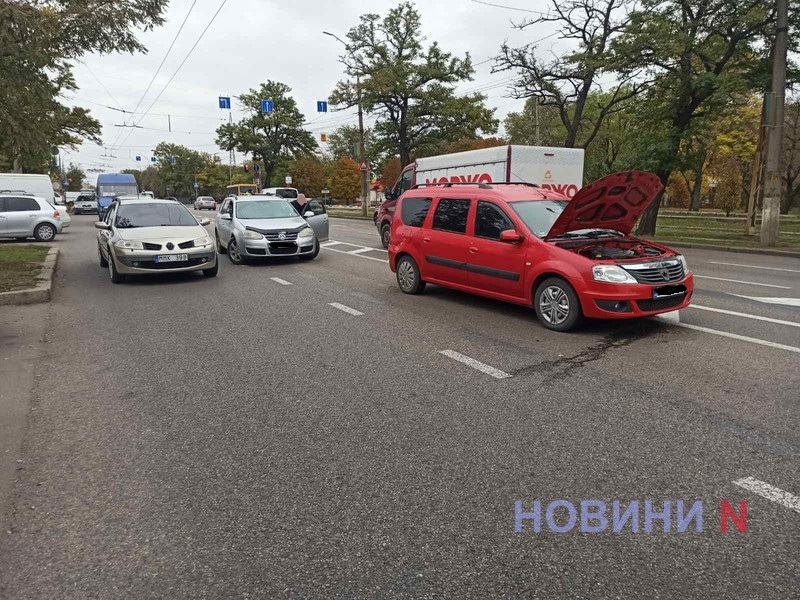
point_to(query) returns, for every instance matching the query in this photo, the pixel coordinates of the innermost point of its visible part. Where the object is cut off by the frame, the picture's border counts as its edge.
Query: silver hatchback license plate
(162, 258)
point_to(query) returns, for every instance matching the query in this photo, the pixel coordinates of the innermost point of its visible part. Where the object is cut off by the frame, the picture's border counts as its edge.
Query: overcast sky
(251, 41)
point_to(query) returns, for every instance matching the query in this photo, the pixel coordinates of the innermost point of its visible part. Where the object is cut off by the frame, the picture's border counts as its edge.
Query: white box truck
(556, 169)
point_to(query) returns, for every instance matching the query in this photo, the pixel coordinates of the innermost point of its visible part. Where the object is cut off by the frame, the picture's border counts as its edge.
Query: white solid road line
(770, 492)
(745, 315)
(360, 250)
(383, 260)
(475, 364)
(711, 262)
(329, 243)
(281, 281)
(742, 338)
(769, 285)
(347, 309)
(783, 301)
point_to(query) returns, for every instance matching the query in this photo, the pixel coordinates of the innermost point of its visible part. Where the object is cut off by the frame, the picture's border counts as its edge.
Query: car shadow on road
(632, 328)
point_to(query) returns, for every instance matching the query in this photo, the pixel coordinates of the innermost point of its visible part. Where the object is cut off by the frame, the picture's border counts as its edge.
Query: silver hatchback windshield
(266, 209)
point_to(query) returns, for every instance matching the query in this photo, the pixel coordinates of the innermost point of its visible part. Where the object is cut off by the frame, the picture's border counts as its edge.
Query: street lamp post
(361, 147)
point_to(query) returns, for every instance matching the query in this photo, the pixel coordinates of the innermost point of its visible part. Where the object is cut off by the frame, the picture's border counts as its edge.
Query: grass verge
(20, 266)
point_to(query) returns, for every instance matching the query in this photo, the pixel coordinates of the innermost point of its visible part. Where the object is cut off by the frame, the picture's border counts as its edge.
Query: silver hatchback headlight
(251, 235)
(306, 234)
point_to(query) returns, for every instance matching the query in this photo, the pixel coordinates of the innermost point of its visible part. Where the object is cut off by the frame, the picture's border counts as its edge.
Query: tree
(410, 90)
(466, 144)
(728, 179)
(345, 181)
(344, 142)
(75, 176)
(268, 137)
(531, 129)
(38, 43)
(391, 172)
(308, 176)
(565, 81)
(698, 53)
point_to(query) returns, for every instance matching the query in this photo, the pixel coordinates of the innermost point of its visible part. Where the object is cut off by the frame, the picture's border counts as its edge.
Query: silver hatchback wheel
(44, 232)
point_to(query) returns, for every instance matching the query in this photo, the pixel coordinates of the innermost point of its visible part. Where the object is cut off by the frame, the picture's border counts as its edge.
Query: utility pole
(770, 216)
(362, 151)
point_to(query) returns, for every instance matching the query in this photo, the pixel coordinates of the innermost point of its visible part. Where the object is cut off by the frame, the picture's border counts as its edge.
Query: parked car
(23, 216)
(250, 227)
(282, 192)
(63, 210)
(144, 236)
(203, 202)
(85, 203)
(568, 259)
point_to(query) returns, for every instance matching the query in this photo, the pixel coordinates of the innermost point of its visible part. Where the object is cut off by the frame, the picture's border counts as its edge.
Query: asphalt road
(242, 437)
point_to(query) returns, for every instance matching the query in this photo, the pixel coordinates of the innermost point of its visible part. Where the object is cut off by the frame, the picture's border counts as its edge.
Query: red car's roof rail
(483, 185)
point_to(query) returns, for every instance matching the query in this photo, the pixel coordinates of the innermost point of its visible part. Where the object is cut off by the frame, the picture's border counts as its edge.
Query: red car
(517, 242)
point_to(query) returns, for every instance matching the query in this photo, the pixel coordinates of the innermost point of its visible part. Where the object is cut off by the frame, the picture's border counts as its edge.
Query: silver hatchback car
(23, 216)
(249, 227)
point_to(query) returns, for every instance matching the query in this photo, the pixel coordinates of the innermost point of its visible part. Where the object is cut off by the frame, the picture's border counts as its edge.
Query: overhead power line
(180, 66)
(525, 10)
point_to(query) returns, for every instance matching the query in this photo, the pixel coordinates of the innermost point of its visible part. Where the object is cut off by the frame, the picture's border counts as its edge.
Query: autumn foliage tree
(345, 182)
(308, 176)
(391, 172)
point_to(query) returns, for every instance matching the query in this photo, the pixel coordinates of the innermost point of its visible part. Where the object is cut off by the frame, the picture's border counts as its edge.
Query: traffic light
(247, 168)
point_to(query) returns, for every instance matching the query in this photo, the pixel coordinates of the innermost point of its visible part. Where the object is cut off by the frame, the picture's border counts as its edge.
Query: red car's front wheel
(557, 305)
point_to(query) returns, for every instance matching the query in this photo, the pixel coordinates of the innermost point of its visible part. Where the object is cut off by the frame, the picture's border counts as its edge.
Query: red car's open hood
(613, 202)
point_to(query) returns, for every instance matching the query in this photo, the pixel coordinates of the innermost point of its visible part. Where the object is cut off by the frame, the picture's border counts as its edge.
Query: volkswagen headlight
(202, 241)
(611, 274)
(252, 235)
(129, 245)
(682, 258)
(306, 234)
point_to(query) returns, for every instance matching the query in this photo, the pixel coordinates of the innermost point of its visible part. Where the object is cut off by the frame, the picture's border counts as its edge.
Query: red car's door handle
(473, 250)
(426, 239)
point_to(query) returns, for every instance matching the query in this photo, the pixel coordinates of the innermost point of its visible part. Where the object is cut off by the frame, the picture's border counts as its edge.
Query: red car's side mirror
(510, 236)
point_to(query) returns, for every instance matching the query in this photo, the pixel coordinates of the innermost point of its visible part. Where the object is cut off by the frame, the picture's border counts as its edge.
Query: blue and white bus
(111, 186)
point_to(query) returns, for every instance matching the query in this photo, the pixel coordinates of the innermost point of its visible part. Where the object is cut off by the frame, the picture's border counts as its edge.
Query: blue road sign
(322, 106)
(138, 158)
(153, 159)
(172, 160)
(225, 102)
(256, 168)
(267, 106)
(196, 185)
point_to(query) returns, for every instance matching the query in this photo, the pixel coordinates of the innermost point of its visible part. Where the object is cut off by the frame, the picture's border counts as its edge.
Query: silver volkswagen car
(250, 227)
(142, 236)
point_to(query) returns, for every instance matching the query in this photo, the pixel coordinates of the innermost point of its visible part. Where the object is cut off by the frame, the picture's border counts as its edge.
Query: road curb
(336, 215)
(762, 251)
(42, 292)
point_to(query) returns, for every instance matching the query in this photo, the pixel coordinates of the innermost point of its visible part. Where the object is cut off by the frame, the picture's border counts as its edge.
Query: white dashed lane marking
(281, 281)
(769, 285)
(347, 309)
(711, 262)
(745, 315)
(475, 364)
(770, 492)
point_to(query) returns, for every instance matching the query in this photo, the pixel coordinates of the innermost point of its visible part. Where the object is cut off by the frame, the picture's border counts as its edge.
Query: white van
(286, 193)
(38, 185)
